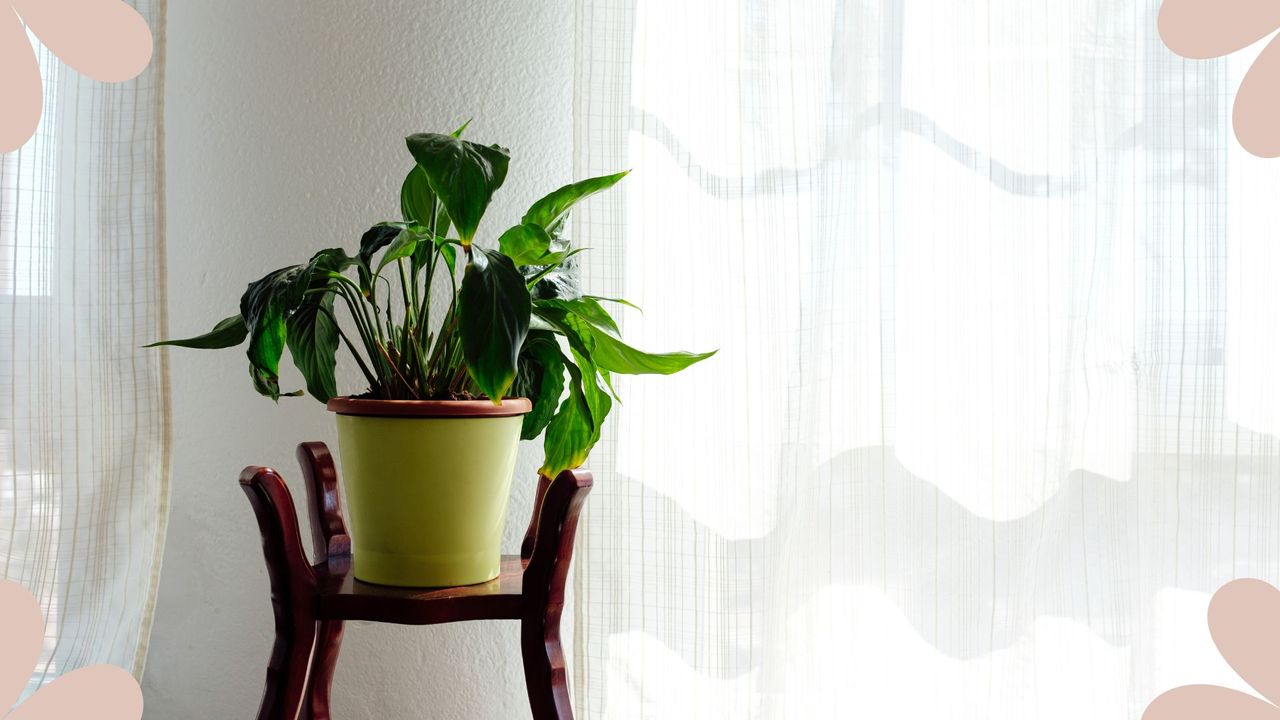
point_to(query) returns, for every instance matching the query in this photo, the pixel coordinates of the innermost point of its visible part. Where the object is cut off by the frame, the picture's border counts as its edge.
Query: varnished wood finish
(323, 664)
(332, 548)
(324, 500)
(343, 596)
(293, 589)
(311, 601)
(544, 577)
(530, 534)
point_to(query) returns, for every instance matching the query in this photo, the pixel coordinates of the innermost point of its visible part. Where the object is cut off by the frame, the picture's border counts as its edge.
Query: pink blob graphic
(106, 40)
(1244, 620)
(1202, 29)
(99, 691)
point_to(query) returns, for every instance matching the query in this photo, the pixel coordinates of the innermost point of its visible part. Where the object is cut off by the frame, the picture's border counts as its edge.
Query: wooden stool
(312, 601)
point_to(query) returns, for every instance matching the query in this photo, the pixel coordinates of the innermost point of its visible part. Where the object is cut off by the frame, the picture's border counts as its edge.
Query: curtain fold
(84, 433)
(993, 411)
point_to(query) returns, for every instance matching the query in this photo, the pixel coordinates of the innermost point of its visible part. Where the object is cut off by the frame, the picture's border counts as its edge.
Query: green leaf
(554, 282)
(312, 338)
(527, 244)
(267, 304)
(495, 309)
(613, 355)
(568, 435)
(264, 306)
(575, 429)
(402, 246)
(227, 333)
(417, 201)
(450, 254)
(373, 240)
(597, 399)
(539, 377)
(586, 308)
(549, 212)
(311, 335)
(620, 301)
(610, 353)
(461, 128)
(419, 206)
(464, 175)
(440, 230)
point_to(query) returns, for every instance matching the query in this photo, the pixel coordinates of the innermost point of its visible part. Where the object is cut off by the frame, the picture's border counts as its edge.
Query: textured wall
(284, 124)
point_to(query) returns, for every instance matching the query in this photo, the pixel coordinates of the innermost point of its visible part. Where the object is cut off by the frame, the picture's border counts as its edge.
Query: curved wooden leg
(323, 663)
(553, 531)
(292, 595)
(332, 545)
(289, 669)
(544, 670)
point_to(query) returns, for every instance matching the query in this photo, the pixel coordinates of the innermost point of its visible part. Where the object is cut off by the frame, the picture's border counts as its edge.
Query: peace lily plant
(515, 326)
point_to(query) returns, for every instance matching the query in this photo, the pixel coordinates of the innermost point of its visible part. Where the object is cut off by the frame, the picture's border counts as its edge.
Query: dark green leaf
(439, 231)
(569, 432)
(575, 429)
(269, 302)
(597, 399)
(374, 239)
(311, 335)
(463, 175)
(419, 205)
(527, 244)
(402, 246)
(417, 201)
(322, 263)
(264, 306)
(549, 212)
(313, 343)
(228, 333)
(539, 377)
(450, 254)
(556, 282)
(536, 322)
(494, 320)
(586, 308)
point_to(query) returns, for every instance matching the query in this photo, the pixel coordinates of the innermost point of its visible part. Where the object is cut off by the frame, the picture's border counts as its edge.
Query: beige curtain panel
(83, 408)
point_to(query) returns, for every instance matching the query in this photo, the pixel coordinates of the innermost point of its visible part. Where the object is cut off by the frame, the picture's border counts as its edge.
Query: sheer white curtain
(995, 405)
(83, 408)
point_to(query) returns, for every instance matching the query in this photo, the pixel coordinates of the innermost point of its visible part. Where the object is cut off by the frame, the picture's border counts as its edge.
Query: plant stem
(444, 340)
(355, 306)
(390, 363)
(404, 293)
(357, 300)
(373, 381)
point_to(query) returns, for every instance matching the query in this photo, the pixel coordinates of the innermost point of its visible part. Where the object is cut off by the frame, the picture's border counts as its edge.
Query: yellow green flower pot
(427, 484)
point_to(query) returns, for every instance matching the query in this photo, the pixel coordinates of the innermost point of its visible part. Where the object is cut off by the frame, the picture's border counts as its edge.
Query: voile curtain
(84, 433)
(995, 405)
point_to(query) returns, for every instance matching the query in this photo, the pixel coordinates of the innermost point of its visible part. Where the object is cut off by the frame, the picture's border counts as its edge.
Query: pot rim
(509, 407)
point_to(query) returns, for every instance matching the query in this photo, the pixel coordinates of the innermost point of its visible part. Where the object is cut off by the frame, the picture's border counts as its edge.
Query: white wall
(285, 122)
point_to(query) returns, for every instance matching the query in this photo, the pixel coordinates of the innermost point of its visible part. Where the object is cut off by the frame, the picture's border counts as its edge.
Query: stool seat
(340, 596)
(312, 600)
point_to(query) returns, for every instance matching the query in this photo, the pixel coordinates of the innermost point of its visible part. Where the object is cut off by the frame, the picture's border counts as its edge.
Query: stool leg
(544, 671)
(293, 589)
(323, 663)
(553, 530)
(288, 671)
